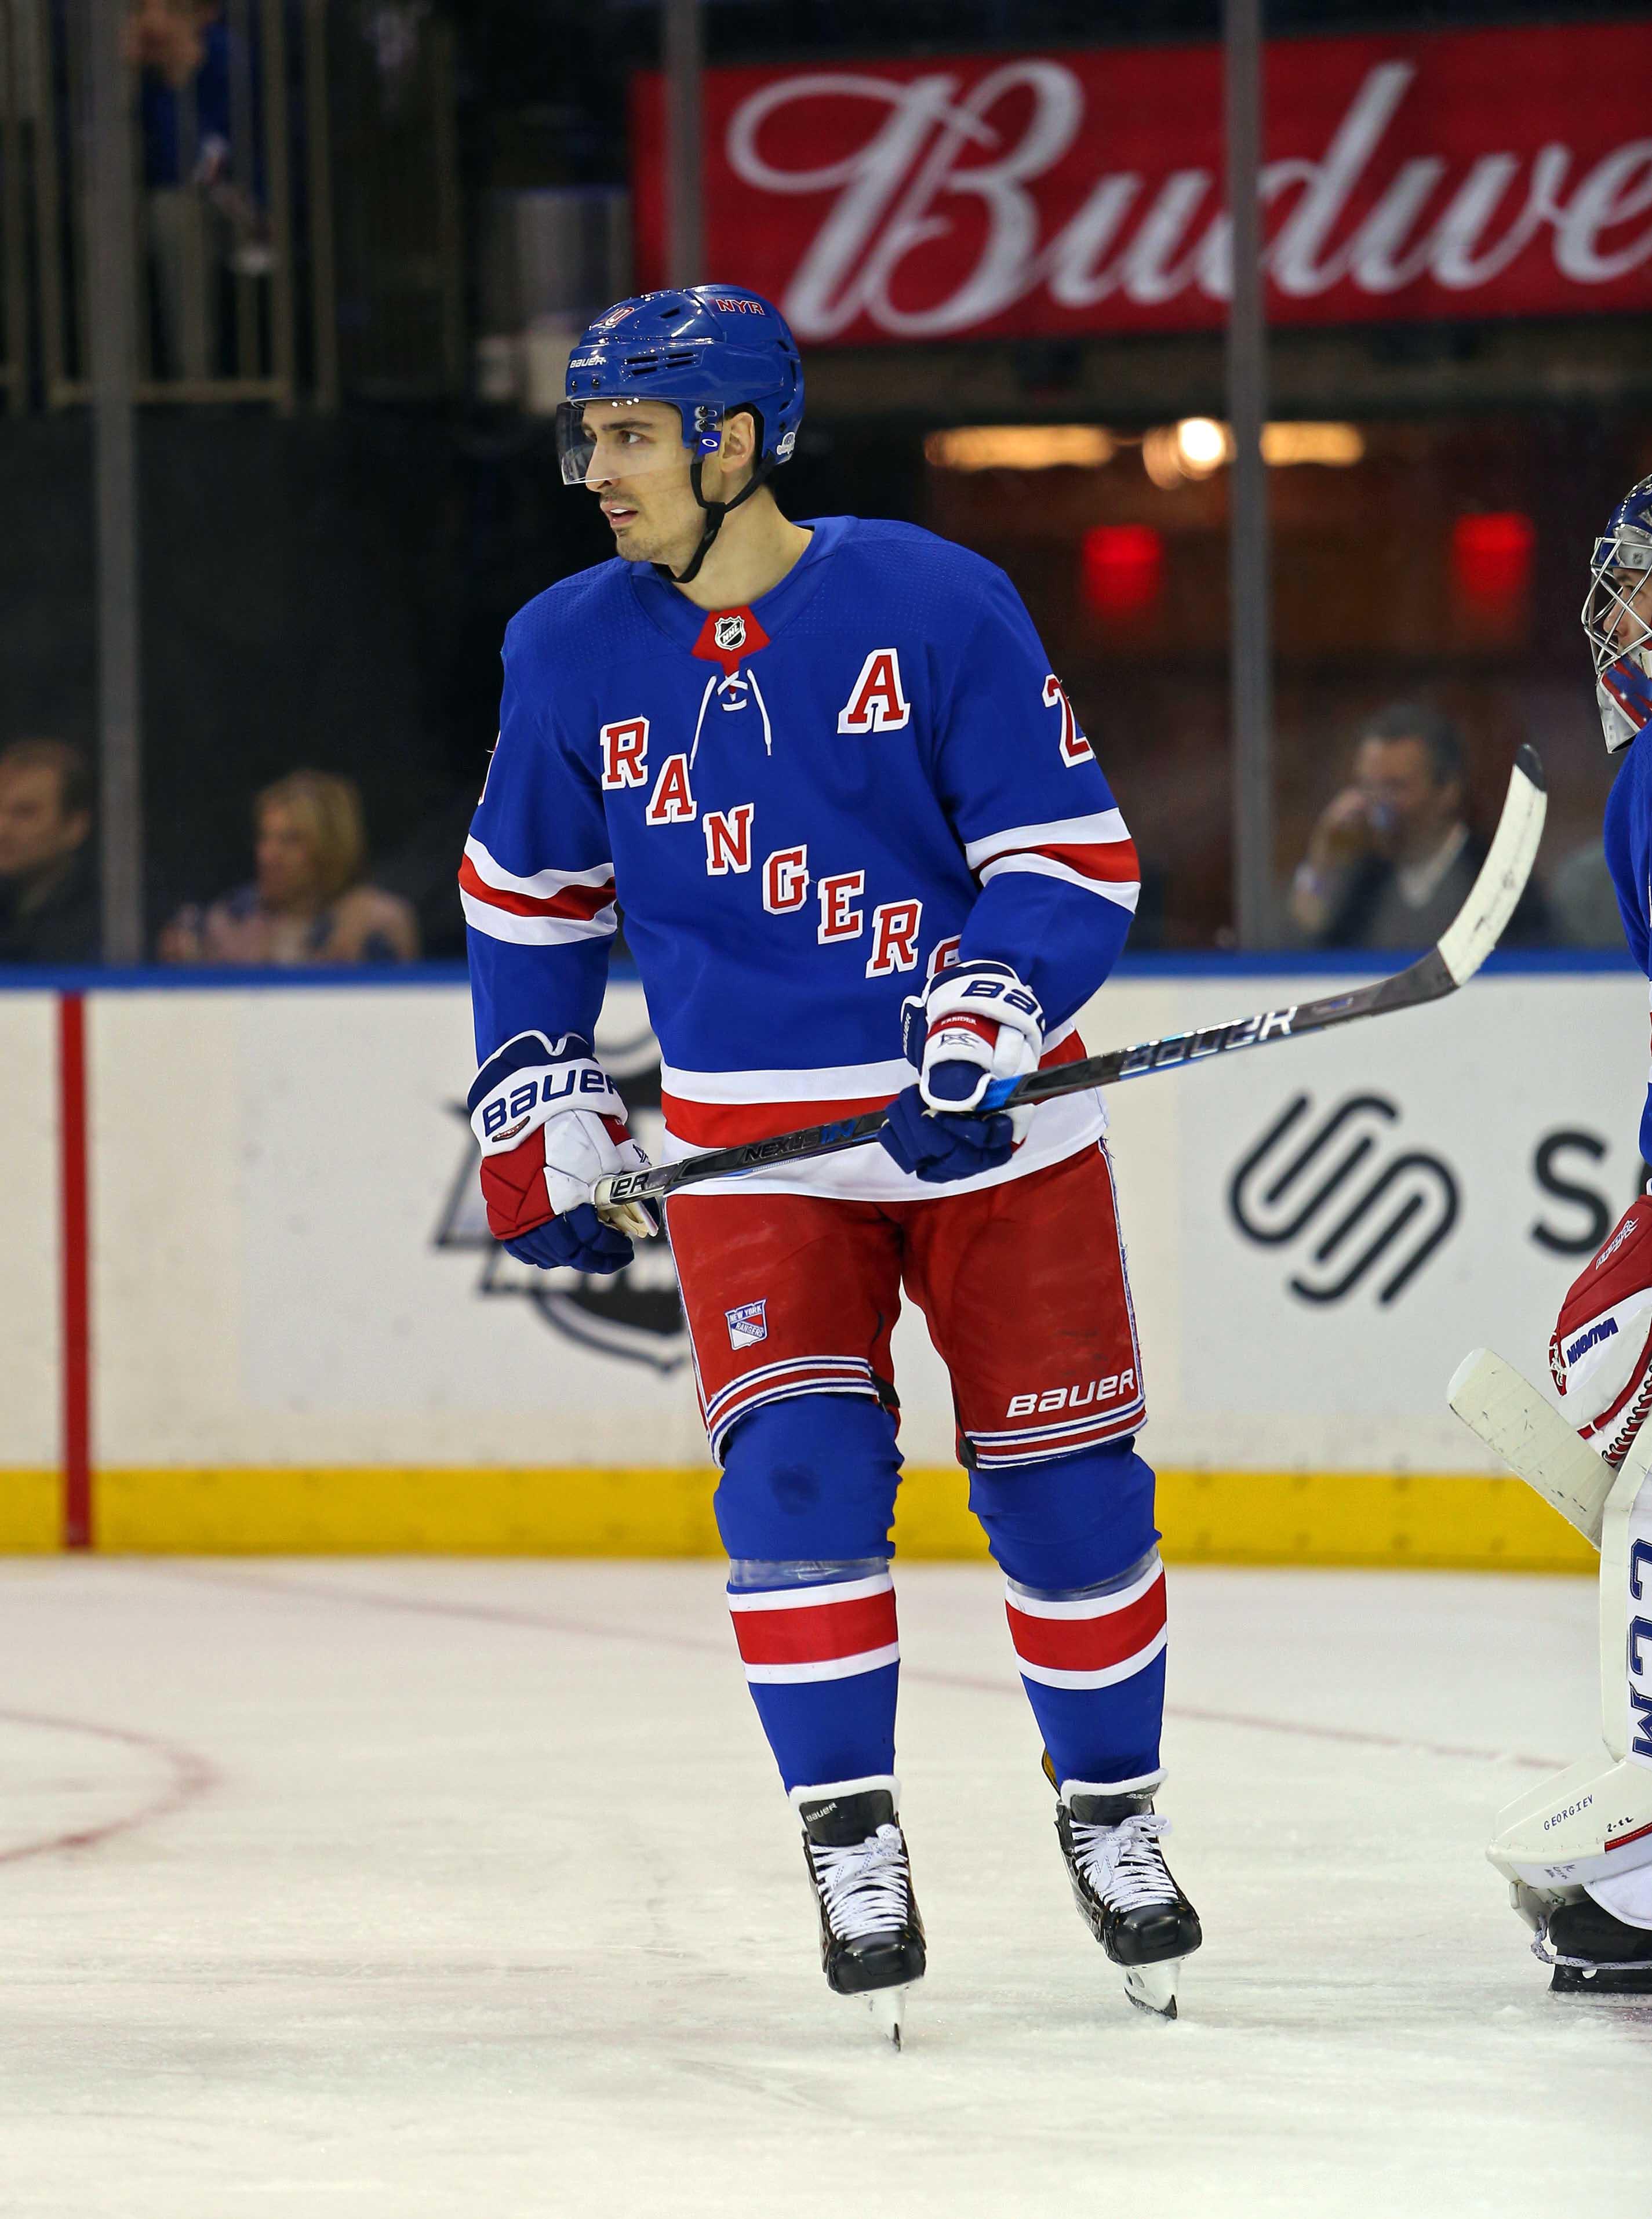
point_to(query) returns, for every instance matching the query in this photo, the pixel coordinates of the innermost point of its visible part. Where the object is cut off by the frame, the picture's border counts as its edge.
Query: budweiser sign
(1486, 173)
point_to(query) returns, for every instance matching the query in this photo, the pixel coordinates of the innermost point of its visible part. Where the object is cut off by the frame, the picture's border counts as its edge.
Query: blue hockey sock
(1085, 1602)
(804, 1508)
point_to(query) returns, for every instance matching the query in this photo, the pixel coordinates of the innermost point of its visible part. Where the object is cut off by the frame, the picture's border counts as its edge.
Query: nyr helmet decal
(707, 350)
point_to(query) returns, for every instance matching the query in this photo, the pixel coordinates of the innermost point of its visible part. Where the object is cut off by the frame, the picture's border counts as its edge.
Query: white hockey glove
(972, 1024)
(973, 1028)
(550, 1123)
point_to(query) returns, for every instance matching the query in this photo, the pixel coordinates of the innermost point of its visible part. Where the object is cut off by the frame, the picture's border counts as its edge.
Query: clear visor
(1618, 613)
(600, 441)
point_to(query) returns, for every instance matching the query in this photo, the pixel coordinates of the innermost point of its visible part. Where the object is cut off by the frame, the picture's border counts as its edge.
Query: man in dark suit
(1393, 857)
(48, 893)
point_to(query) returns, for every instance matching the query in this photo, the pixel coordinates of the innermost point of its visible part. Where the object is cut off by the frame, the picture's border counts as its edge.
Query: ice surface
(466, 1889)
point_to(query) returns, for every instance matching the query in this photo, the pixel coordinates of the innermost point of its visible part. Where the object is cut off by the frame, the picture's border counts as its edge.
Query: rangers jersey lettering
(803, 807)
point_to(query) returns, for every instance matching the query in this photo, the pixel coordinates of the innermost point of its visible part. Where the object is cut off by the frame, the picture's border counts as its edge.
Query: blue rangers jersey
(1629, 857)
(803, 808)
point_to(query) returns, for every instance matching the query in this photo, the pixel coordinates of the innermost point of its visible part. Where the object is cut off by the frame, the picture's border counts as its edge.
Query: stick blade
(1502, 1408)
(1480, 924)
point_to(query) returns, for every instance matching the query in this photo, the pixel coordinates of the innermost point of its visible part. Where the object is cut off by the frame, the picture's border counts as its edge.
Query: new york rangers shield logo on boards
(747, 1325)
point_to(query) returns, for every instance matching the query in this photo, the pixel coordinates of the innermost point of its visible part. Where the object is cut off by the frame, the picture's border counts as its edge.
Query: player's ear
(739, 446)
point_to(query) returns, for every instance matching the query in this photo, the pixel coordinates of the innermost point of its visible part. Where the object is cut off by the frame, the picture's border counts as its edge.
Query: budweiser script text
(936, 224)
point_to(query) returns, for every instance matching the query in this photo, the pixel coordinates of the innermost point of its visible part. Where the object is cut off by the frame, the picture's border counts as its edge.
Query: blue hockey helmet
(709, 351)
(1617, 617)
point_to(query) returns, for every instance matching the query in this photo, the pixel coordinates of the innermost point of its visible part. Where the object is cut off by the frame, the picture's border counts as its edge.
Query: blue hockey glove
(975, 1027)
(549, 1124)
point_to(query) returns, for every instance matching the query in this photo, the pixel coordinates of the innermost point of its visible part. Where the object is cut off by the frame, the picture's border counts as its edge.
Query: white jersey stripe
(536, 931)
(1125, 891)
(848, 1082)
(541, 885)
(1065, 832)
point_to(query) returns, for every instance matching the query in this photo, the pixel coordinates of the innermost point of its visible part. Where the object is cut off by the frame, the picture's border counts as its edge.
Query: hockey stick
(1505, 1410)
(1454, 958)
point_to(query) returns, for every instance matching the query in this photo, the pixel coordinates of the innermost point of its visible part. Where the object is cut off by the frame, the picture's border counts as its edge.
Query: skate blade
(888, 2009)
(1151, 1988)
(1573, 1978)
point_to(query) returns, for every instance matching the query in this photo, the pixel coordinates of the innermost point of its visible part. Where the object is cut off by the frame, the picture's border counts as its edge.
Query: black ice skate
(1594, 1953)
(1125, 1891)
(871, 1935)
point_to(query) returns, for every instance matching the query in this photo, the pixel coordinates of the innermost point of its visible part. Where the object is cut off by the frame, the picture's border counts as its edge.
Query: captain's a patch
(747, 1325)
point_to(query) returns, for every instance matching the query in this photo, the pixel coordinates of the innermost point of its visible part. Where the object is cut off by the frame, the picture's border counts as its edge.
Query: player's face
(639, 472)
(1632, 618)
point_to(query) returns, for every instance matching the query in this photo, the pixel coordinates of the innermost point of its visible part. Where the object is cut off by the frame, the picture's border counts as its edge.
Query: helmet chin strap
(715, 512)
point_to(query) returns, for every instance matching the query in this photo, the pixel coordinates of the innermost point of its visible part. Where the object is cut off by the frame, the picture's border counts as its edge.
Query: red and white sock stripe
(1092, 1641)
(817, 1633)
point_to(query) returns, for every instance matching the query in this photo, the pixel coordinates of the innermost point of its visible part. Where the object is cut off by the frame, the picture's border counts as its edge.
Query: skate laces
(863, 1887)
(1124, 1864)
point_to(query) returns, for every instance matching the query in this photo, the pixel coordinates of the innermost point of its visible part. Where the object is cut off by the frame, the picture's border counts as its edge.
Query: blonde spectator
(308, 901)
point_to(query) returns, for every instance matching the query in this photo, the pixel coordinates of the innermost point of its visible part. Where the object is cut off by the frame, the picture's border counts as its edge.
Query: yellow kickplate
(1436, 1521)
(31, 1511)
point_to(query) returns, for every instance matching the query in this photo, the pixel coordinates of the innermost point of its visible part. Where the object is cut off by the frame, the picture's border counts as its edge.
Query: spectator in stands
(1393, 857)
(308, 901)
(1582, 900)
(49, 891)
(197, 218)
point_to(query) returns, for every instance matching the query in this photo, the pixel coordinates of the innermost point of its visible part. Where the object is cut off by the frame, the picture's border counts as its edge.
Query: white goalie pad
(1591, 1823)
(1590, 1827)
(1627, 1610)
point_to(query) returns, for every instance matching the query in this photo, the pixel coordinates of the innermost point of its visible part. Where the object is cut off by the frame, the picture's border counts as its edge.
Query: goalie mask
(1617, 617)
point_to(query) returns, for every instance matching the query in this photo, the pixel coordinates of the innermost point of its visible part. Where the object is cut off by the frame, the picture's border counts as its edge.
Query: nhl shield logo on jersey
(730, 632)
(747, 1325)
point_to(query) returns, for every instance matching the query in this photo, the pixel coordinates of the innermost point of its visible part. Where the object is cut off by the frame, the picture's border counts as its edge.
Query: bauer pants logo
(1118, 1386)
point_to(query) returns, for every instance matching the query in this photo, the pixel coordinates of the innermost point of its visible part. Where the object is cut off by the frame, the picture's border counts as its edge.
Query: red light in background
(1123, 568)
(1491, 556)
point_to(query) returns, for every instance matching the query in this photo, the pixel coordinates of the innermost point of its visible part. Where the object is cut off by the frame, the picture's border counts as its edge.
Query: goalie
(1578, 1851)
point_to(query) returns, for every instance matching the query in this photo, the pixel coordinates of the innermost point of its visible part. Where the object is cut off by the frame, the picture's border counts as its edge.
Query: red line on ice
(191, 1775)
(495, 1614)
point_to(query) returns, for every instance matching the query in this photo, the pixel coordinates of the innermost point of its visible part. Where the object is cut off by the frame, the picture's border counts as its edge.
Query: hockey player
(1579, 1849)
(867, 856)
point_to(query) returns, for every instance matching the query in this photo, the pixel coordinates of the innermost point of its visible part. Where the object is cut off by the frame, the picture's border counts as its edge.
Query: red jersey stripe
(583, 902)
(1088, 1644)
(728, 1124)
(1113, 860)
(812, 1636)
